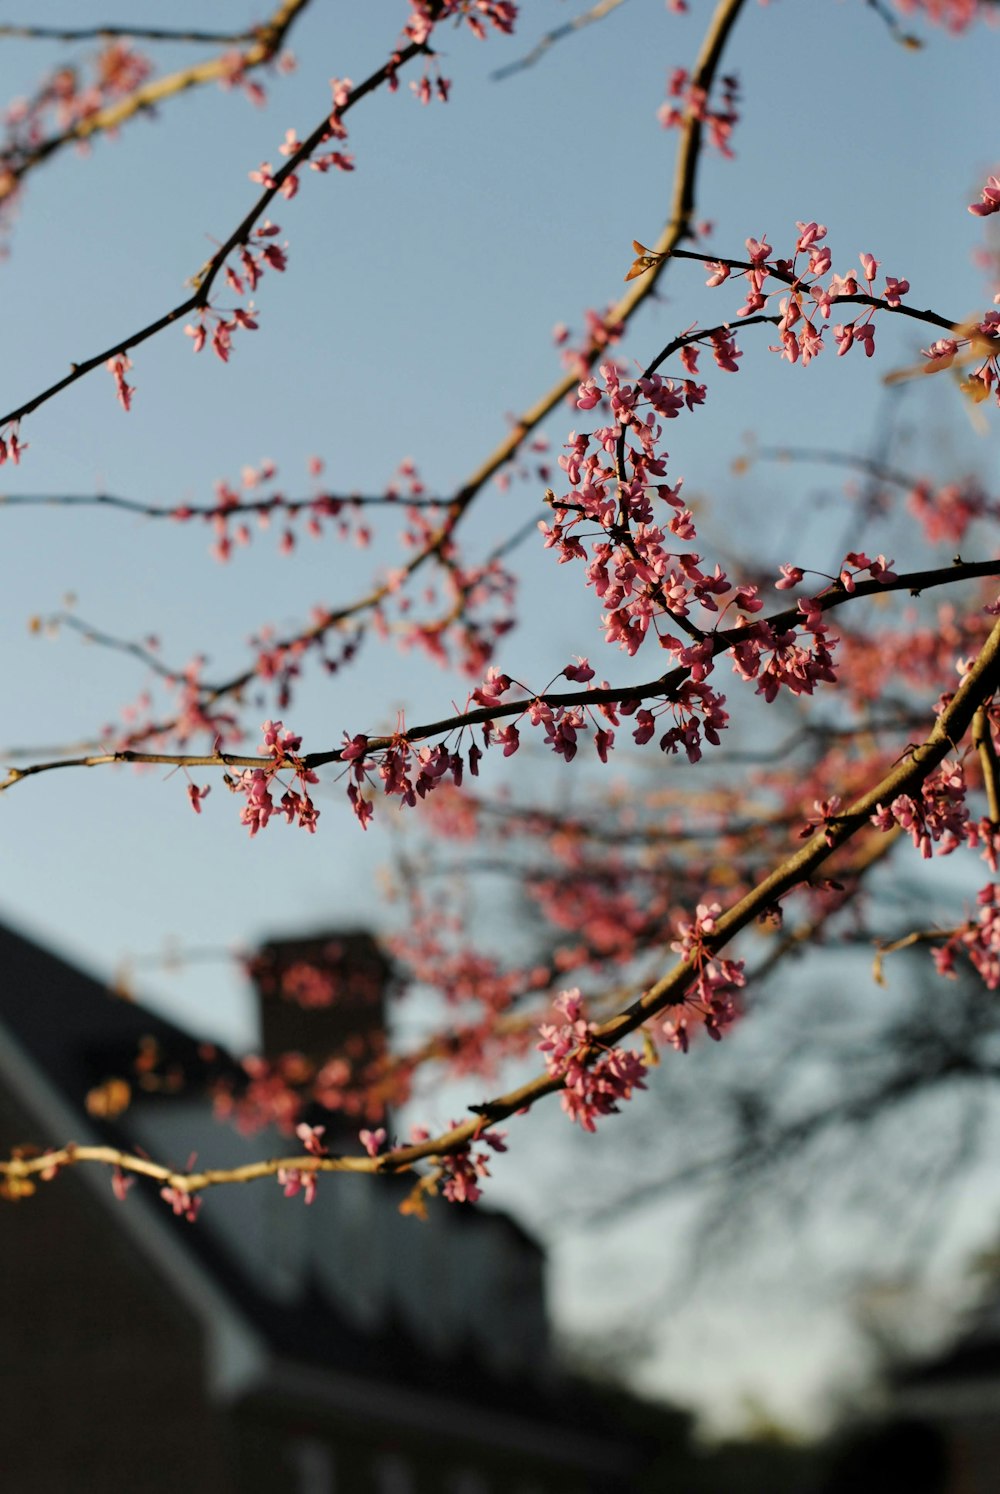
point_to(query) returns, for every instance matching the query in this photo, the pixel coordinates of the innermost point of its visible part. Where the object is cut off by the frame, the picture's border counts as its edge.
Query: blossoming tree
(872, 742)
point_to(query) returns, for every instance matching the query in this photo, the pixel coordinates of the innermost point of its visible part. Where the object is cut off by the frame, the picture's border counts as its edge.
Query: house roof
(79, 1031)
(974, 1355)
(80, 1034)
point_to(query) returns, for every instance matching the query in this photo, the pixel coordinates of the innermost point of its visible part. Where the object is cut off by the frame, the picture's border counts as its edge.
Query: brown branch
(918, 936)
(265, 41)
(662, 687)
(982, 740)
(182, 512)
(90, 634)
(678, 227)
(979, 684)
(879, 846)
(133, 33)
(859, 298)
(213, 693)
(205, 278)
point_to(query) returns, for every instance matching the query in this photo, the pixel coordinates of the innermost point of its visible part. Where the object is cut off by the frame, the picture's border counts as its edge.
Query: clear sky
(415, 316)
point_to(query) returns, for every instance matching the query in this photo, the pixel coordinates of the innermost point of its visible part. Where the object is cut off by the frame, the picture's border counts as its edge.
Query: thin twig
(595, 13)
(982, 740)
(267, 39)
(185, 511)
(206, 277)
(133, 33)
(664, 687)
(979, 684)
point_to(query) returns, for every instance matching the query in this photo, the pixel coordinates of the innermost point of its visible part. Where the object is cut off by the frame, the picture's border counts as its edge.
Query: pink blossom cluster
(304, 1180)
(236, 75)
(777, 659)
(600, 331)
(256, 783)
(272, 1094)
(593, 1082)
(610, 914)
(947, 512)
(311, 1138)
(193, 716)
(10, 447)
(984, 339)
(465, 609)
(477, 15)
(308, 985)
(373, 1141)
(255, 256)
(940, 815)
(341, 89)
(462, 1170)
(978, 940)
(686, 100)
(296, 1180)
(916, 656)
(185, 1205)
(956, 15)
(712, 995)
(647, 586)
(68, 97)
(804, 295)
(407, 771)
(230, 515)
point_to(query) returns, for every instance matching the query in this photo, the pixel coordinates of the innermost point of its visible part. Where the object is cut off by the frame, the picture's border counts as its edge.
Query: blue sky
(416, 313)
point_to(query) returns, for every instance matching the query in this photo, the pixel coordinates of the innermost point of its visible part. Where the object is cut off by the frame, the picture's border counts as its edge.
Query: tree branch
(662, 687)
(265, 41)
(980, 683)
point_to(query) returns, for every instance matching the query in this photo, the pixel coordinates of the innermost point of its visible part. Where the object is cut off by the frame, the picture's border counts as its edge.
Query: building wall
(102, 1381)
(304, 1450)
(460, 1281)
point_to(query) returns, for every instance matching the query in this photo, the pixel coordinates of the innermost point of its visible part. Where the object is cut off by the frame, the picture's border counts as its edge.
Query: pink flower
(354, 748)
(341, 88)
(844, 338)
(293, 1180)
(185, 1205)
(865, 334)
(942, 351)
(493, 687)
(990, 199)
(311, 1138)
(118, 367)
(509, 737)
(196, 794)
(372, 1141)
(120, 1184)
(809, 234)
(758, 251)
(588, 395)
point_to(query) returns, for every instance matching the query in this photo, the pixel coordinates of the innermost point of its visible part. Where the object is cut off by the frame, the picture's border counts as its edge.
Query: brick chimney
(322, 996)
